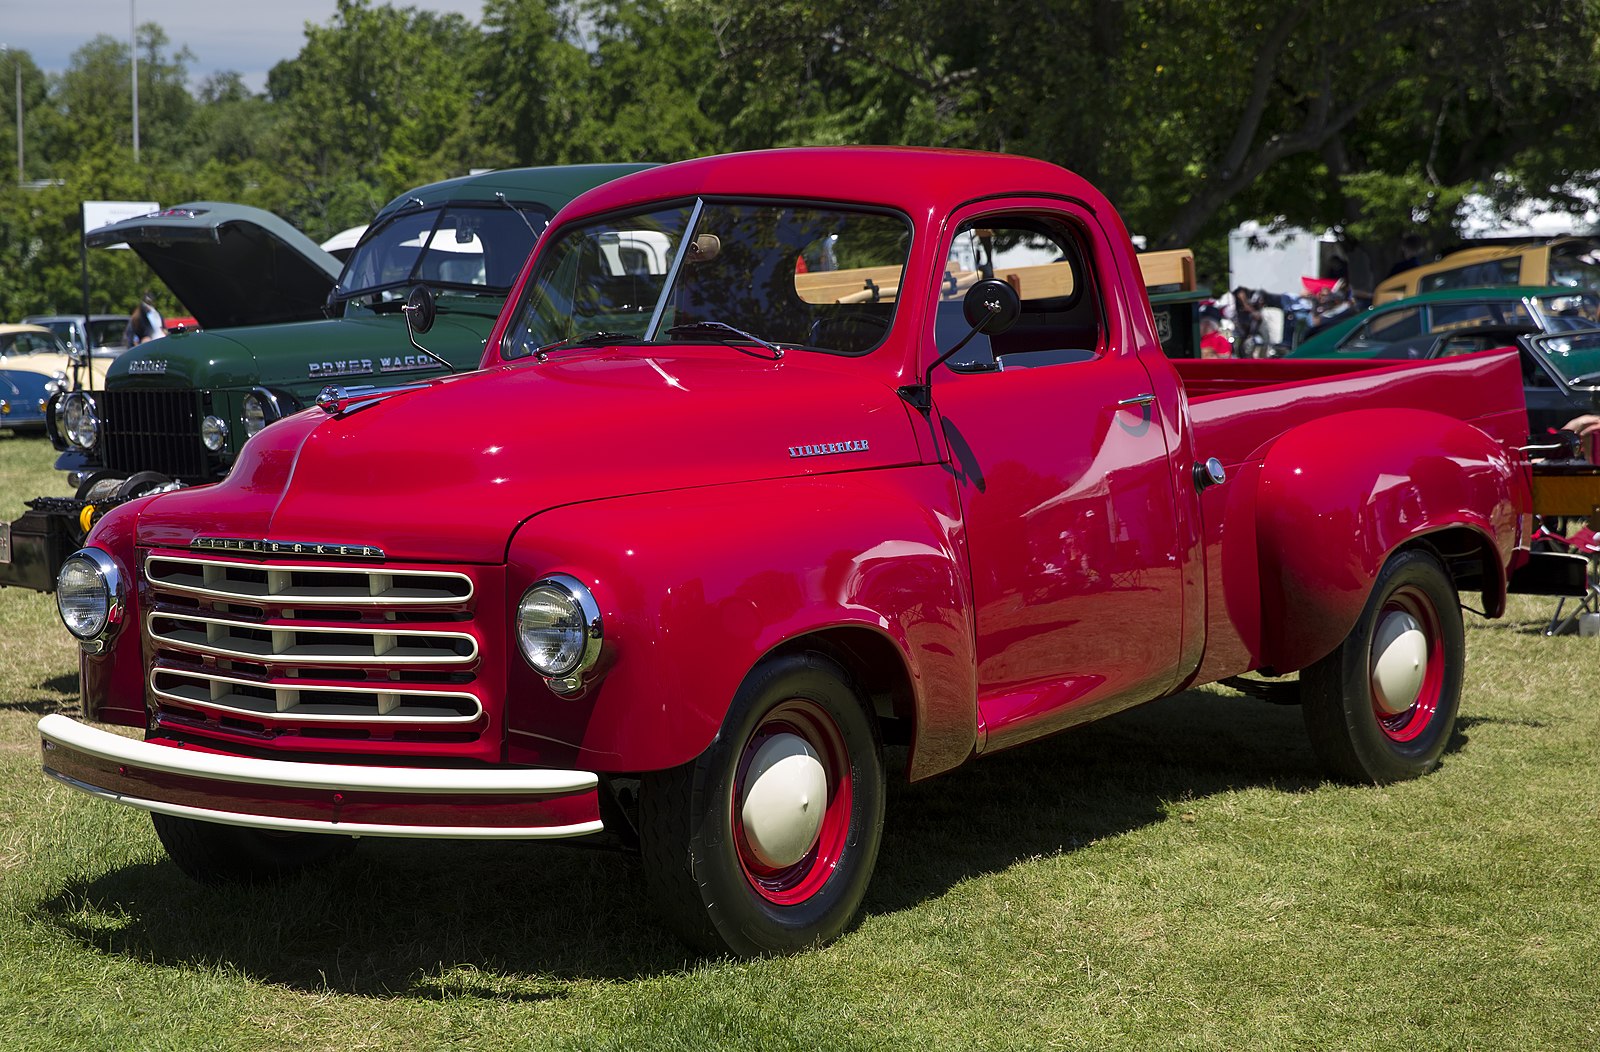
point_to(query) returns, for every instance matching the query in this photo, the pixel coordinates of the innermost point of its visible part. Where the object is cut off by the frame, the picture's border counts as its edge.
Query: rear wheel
(765, 844)
(1382, 707)
(212, 853)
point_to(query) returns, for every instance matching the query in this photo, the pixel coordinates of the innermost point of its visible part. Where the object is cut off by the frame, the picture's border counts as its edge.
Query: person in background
(144, 322)
(1212, 343)
(1411, 255)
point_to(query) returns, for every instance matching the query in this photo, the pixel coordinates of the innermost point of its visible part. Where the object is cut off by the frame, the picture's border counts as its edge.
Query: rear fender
(696, 586)
(1337, 495)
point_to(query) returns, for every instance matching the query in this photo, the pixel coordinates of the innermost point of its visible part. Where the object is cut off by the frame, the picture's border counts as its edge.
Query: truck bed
(1239, 408)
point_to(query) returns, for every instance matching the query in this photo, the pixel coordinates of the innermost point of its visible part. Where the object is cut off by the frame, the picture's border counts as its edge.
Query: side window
(1458, 315)
(1044, 260)
(1490, 272)
(1390, 326)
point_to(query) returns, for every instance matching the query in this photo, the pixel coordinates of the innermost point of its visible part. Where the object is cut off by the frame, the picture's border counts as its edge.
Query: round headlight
(255, 415)
(214, 433)
(559, 629)
(79, 421)
(88, 593)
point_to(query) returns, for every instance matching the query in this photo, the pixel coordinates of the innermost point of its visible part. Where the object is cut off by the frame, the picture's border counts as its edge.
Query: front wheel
(1381, 708)
(212, 853)
(766, 842)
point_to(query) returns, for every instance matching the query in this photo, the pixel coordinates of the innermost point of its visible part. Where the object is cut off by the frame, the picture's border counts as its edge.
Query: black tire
(212, 853)
(100, 486)
(708, 873)
(1357, 733)
(140, 483)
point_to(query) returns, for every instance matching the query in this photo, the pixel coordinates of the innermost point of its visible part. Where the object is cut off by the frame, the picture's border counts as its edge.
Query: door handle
(1144, 399)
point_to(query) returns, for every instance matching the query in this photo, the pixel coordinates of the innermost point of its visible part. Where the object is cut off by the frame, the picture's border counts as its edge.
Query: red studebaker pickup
(775, 460)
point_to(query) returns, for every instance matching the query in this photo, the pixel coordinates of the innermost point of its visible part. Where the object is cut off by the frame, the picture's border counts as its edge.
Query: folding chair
(1583, 542)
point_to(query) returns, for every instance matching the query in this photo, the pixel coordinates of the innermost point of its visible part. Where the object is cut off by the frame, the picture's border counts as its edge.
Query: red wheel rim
(1410, 724)
(794, 884)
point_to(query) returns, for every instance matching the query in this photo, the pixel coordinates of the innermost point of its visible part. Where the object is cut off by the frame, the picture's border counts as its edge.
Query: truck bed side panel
(1239, 410)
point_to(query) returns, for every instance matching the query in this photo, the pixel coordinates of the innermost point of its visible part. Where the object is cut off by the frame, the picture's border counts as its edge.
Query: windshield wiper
(589, 339)
(1586, 378)
(720, 331)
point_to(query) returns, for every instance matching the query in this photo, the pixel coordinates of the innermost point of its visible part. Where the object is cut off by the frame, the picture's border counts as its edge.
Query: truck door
(1061, 464)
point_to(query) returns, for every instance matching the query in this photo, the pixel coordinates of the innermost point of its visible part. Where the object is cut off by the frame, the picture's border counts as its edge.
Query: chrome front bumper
(294, 796)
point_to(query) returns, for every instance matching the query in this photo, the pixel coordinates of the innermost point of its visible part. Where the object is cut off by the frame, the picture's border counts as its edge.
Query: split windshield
(794, 275)
(470, 248)
(1574, 356)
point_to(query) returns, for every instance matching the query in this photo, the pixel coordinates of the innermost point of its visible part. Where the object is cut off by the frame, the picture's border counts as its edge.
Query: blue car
(23, 397)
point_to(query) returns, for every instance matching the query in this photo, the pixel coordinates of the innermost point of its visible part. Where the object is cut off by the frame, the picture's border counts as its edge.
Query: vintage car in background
(36, 349)
(1365, 335)
(775, 459)
(1571, 262)
(86, 332)
(177, 410)
(23, 397)
(1560, 371)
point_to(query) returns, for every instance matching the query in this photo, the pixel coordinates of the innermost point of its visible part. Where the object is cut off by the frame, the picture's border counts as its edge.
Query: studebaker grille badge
(255, 546)
(147, 365)
(823, 449)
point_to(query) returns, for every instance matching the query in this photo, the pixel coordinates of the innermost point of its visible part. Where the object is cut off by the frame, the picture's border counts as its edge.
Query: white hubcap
(785, 793)
(1399, 662)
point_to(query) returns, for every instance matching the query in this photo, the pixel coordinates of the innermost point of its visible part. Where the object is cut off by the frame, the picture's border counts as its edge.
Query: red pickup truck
(776, 460)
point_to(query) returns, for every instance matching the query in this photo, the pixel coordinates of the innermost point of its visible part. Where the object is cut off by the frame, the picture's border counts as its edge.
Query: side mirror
(991, 306)
(420, 310)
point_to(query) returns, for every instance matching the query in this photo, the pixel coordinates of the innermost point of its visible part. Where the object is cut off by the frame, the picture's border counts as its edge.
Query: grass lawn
(1175, 877)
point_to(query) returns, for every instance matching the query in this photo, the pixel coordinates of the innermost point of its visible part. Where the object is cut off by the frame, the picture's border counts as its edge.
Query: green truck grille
(154, 431)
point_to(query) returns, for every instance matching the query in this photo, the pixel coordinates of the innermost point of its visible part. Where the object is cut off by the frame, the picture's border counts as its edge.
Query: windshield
(473, 248)
(794, 275)
(1574, 356)
(1580, 310)
(1575, 263)
(107, 332)
(31, 341)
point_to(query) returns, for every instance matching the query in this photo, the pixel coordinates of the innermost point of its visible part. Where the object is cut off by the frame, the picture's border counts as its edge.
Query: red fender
(1337, 495)
(695, 586)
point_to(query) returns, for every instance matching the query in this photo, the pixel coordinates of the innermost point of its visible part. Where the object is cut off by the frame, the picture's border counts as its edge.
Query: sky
(247, 36)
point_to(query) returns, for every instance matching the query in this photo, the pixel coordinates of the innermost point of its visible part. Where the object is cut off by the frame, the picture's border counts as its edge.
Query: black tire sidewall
(748, 923)
(1378, 757)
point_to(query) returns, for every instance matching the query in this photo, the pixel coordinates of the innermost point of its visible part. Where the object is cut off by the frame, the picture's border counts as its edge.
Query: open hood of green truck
(229, 264)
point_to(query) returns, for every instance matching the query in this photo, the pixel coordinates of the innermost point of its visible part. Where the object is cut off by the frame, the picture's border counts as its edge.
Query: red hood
(447, 472)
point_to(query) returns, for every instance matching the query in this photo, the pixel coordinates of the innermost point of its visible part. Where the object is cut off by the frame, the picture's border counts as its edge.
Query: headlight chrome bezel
(567, 677)
(267, 410)
(112, 582)
(214, 433)
(87, 421)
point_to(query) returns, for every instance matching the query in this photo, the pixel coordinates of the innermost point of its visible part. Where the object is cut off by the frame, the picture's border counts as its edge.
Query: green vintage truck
(279, 321)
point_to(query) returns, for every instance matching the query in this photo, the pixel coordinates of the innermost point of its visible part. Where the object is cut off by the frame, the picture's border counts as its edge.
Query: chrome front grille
(283, 647)
(306, 585)
(312, 703)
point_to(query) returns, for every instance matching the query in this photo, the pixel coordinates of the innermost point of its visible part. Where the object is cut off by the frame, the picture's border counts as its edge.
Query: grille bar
(292, 643)
(311, 702)
(307, 585)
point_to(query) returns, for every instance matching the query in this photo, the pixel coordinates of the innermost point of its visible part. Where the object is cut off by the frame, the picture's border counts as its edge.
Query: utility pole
(133, 50)
(18, 62)
(5, 49)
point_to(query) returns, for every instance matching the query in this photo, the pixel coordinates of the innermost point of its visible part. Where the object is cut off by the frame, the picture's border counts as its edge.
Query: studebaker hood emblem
(147, 365)
(262, 546)
(823, 449)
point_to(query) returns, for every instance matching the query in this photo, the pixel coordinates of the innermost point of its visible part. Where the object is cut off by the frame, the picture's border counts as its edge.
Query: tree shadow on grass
(520, 920)
(60, 694)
